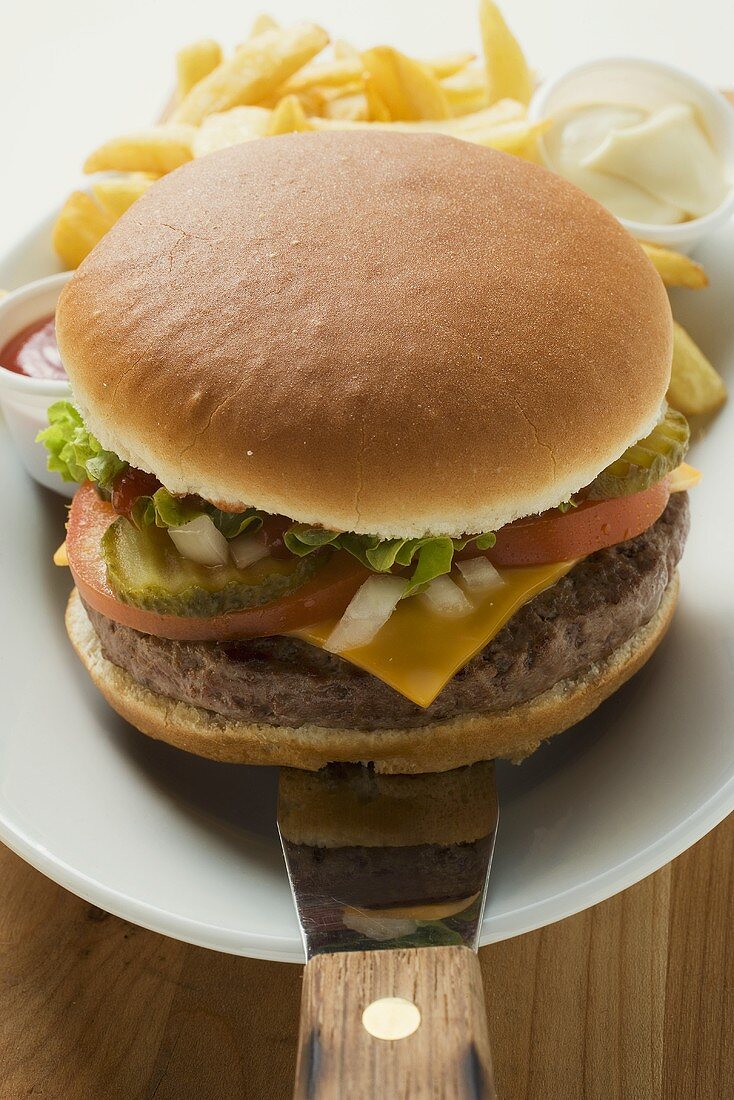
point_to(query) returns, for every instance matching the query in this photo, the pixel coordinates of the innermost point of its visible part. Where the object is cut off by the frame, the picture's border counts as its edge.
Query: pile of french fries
(286, 79)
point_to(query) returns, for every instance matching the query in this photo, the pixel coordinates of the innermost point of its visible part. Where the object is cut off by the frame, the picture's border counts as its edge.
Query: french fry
(79, 227)
(263, 22)
(505, 110)
(231, 128)
(158, 150)
(312, 100)
(474, 127)
(695, 387)
(519, 138)
(376, 107)
(194, 62)
(508, 75)
(255, 71)
(345, 51)
(448, 64)
(466, 91)
(674, 268)
(408, 90)
(328, 74)
(352, 106)
(288, 118)
(117, 194)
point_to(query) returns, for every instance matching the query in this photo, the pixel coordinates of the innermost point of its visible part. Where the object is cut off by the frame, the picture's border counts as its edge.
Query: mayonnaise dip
(656, 166)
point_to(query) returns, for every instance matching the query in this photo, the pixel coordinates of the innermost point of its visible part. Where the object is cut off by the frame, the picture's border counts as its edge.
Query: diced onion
(201, 541)
(479, 575)
(446, 597)
(369, 609)
(248, 548)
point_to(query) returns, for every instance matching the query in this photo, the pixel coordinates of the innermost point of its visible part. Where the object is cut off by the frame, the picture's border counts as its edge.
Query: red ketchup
(34, 351)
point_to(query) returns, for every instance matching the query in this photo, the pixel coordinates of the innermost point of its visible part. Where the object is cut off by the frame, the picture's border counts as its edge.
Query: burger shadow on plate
(238, 797)
(244, 799)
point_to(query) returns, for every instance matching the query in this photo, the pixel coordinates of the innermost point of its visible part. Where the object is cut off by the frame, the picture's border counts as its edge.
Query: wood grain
(632, 1000)
(447, 1057)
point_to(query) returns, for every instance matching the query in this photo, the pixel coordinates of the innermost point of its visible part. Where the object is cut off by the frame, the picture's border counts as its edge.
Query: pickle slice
(145, 569)
(644, 463)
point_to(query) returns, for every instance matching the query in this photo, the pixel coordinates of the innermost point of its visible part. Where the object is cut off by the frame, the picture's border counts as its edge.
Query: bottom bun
(512, 734)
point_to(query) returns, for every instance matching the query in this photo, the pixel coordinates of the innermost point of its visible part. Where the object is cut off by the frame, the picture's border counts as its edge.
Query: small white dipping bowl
(24, 400)
(650, 85)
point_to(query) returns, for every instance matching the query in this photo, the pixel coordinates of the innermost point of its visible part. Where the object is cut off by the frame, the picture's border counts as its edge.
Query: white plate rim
(565, 904)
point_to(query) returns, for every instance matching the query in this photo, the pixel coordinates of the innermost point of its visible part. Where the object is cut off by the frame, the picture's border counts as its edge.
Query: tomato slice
(536, 540)
(593, 525)
(323, 596)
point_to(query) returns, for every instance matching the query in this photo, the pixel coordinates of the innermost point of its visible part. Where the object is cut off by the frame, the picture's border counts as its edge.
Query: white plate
(189, 848)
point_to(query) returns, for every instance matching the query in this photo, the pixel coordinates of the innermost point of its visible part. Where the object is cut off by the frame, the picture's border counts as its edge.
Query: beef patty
(283, 681)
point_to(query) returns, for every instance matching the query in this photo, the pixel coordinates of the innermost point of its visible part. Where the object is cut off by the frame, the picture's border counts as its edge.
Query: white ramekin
(25, 401)
(651, 85)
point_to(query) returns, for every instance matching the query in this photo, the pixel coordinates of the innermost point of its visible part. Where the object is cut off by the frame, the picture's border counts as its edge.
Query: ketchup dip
(34, 351)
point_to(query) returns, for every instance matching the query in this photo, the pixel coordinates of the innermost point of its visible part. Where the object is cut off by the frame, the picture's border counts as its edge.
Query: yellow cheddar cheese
(418, 650)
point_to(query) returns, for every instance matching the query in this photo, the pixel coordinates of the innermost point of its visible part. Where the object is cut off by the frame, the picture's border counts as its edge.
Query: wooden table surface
(632, 999)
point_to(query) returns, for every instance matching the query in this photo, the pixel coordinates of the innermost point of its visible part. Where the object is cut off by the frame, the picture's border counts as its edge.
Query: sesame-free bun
(394, 334)
(513, 733)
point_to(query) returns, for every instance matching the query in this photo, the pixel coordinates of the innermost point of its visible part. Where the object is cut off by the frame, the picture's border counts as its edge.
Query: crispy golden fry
(158, 150)
(501, 125)
(327, 74)
(408, 90)
(78, 228)
(352, 106)
(288, 118)
(508, 75)
(231, 128)
(466, 91)
(695, 387)
(519, 138)
(377, 110)
(674, 268)
(448, 64)
(262, 23)
(312, 100)
(470, 127)
(345, 51)
(194, 62)
(116, 194)
(255, 71)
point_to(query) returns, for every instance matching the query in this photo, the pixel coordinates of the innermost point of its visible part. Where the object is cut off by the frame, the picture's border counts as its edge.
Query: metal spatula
(389, 876)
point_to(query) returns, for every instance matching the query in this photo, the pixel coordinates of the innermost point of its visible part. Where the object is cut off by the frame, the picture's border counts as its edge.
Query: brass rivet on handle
(391, 1018)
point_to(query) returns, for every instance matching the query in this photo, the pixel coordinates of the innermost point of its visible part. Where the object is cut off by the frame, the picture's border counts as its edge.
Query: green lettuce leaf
(78, 456)
(163, 509)
(74, 452)
(431, 556)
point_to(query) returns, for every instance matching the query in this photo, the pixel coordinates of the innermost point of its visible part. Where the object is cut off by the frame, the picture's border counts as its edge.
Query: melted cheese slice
(418, 650)
(683, 477)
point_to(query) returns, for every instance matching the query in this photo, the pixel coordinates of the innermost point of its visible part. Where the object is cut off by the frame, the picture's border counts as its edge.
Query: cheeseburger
(374, 455)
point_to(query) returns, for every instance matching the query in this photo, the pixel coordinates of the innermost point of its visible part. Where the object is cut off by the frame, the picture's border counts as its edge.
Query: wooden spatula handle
(394, 1025)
